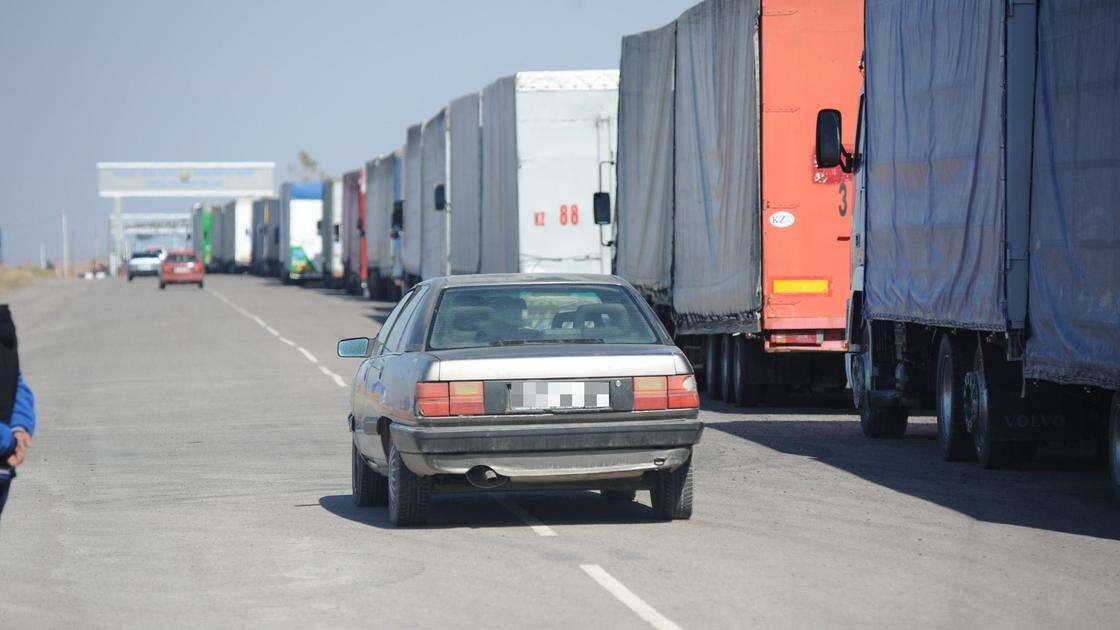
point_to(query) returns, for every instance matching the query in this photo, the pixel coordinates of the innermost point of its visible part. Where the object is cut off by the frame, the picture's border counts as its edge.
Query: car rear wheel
(367, 486)
(200, 285)
(671, 495)
(953, 356)
(619, 495)
(162, 286)
(410, 495)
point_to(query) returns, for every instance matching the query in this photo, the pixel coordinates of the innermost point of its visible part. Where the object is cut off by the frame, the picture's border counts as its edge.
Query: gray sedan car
(511, 381)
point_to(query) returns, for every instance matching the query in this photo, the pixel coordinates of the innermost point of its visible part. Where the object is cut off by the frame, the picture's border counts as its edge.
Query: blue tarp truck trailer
(986, 240)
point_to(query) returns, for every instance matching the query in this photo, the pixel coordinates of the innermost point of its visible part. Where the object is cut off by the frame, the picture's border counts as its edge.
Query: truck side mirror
(398, 214)
(828, 138)
(601, 204)
(440, 194)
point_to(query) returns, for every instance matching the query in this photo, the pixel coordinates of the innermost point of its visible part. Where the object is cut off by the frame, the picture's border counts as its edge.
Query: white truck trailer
(548, 145)
(237, 238)
(300, 248)
(330, 232)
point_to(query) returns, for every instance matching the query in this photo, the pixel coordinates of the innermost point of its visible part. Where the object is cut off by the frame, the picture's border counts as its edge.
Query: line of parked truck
(955, 245)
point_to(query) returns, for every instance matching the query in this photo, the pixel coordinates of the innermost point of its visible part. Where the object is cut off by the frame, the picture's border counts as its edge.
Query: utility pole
(65, 247)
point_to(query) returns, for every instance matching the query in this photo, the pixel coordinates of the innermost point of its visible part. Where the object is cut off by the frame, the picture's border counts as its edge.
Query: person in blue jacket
(17, 407)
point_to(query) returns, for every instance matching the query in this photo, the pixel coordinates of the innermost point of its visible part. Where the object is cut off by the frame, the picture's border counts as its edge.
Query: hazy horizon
(252, 81)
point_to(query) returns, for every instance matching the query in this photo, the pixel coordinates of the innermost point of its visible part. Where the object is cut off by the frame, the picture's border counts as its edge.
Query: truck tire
(989, 453)
(1114, 445)
(744, 392)
(880, 423)
(410, 495)
(953, 362)
(711, 367)
(619, 495)
(367, 486)
(671, 495)
(727, 367)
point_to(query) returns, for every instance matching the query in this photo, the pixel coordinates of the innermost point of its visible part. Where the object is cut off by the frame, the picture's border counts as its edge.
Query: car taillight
(660, 392)
(682, 392)
(457, 398)
(650, 393)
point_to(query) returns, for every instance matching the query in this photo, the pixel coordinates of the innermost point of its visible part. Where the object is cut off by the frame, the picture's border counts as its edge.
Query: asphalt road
(192, 469)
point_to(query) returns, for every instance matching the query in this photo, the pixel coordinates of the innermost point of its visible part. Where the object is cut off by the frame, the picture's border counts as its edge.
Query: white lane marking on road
(337, 379)
(628, 598)
(310, 357)
(533, 522)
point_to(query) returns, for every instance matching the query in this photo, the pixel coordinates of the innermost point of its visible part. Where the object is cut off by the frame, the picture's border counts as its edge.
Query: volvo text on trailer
(987, 235)
(300, 246)
(725, 223)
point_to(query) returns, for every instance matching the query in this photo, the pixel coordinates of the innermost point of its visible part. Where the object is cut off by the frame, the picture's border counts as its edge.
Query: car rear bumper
(143, 272)
(551, 452)
(181, 278)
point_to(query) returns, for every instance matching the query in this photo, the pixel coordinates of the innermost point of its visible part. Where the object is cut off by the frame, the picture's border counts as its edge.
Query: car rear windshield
(145, 255)
(473, 317)
(179, 258)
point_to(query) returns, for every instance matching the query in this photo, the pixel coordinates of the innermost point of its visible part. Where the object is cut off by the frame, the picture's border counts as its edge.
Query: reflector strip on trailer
(803, 285)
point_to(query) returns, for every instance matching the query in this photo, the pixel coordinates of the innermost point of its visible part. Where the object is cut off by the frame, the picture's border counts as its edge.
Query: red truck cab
(181, 266)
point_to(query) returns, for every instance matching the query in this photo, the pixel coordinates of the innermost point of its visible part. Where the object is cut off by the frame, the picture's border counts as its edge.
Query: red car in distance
(181, 266)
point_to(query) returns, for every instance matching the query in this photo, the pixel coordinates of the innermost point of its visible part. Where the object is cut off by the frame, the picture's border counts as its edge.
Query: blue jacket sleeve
(7, 442)
(23, 413)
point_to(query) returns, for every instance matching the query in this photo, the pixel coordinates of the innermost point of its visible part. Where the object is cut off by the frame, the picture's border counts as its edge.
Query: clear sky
(202, 80)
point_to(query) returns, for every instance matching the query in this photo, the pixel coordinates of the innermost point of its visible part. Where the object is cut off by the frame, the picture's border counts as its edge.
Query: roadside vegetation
(16, 277)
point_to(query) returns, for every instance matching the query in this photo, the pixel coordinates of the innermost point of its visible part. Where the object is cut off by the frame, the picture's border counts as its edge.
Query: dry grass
(16, 277)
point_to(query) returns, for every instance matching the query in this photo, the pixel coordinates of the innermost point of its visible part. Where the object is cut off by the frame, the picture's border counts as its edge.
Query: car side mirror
(440, 194)
(828, 138)
(357, 347)
(601, 204)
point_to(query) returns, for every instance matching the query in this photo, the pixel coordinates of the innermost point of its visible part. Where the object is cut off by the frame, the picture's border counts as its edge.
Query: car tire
(130, 278)
(1114, 445)
(200, 286)
(711, 367)
(368, 488)
(162, 286)
(410, 495)
(953, 363)
(619, 495)
(671, 495)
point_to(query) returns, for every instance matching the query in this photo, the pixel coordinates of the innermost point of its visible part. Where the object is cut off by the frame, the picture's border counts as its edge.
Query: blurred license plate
(182, 270)
(544, 395)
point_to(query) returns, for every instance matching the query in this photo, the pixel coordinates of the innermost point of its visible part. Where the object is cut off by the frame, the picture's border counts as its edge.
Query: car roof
(487, 279)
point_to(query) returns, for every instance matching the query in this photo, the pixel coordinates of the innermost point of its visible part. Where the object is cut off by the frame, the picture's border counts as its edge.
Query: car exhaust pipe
(484, 477)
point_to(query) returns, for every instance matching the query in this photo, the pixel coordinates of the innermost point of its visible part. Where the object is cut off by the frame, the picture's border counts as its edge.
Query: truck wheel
(952, 364)
(1114, 445)
(618, 495)
(368, 487)
(727, 367)
(744, 393)
(883, 422)
(671, 495)
(989, 453)
(711, 367)
(410, 495)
